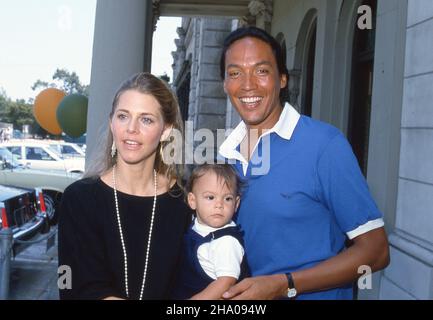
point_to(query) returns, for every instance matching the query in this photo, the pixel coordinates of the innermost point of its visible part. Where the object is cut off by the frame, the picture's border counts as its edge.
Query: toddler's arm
(215, 289)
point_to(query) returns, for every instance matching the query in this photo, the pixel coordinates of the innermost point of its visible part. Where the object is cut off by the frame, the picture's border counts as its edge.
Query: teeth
(251, 99)
(133, 143)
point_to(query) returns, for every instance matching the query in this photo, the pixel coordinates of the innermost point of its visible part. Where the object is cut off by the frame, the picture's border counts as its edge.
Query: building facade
(369, 75)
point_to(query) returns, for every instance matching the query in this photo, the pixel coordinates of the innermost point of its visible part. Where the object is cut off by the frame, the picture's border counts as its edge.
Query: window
(183, 95)
(361, 89)
(68, 150)
(307, 105)
(16, 151)
(36, 153)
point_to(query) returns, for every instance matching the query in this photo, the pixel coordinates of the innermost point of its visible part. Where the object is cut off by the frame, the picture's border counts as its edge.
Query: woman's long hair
(148, 84)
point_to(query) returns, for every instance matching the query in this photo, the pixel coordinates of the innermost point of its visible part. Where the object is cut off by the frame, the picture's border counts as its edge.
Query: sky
(39, 36)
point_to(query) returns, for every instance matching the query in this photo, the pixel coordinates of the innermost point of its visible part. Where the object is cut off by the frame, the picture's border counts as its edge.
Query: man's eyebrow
(264, 62)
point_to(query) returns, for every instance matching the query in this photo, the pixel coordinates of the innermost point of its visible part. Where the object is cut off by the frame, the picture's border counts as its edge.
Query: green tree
(42, 84)
(164, 77)
(64, 80)
(19, 113)
(3, 103)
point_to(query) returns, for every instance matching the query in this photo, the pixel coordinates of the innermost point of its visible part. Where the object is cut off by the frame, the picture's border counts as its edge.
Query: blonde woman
(121, 227)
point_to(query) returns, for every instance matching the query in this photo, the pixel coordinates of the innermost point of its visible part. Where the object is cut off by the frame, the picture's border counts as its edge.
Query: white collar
(204, 230)
(284, 128)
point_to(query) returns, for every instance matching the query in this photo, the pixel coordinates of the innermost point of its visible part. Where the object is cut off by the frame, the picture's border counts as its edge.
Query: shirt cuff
(370, 225)
(233, 274)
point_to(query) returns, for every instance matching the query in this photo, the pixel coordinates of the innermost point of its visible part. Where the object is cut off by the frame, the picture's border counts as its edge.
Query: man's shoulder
(317, 130)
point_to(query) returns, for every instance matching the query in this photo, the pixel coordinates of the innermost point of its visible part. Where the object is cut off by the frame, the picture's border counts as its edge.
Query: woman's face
(137, 126)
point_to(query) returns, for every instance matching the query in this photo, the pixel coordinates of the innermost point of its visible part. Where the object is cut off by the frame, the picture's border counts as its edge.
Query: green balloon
(72, 115)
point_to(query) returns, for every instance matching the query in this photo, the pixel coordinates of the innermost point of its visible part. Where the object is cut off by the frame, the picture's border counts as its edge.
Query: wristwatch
(291, 290)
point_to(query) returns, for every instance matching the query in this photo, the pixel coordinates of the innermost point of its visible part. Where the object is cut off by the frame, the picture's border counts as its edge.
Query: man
(298, 212)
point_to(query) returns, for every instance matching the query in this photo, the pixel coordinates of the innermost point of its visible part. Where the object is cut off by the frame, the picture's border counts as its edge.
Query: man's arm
(369, 249)
(215, 289)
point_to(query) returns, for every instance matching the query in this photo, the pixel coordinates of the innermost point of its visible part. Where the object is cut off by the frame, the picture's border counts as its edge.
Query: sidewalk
(34, 274)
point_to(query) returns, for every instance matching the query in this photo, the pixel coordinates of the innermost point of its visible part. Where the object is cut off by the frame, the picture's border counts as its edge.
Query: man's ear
(283, 81)
(237, 203)
(166, 133)
(191, 201)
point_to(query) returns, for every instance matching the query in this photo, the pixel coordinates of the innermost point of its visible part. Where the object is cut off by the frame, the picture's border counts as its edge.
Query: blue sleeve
(342, 187)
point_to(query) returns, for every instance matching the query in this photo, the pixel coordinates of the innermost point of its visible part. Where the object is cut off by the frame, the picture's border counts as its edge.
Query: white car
(52, 183)
(39, 155)
(67, 149)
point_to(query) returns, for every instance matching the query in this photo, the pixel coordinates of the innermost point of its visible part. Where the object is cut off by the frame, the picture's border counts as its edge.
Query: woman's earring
(161, 153)
(113, 150)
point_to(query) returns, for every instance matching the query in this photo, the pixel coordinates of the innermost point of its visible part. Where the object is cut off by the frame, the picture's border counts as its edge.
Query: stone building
(374, 84)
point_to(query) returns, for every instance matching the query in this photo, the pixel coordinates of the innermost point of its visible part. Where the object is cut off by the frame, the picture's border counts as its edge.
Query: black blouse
(89, 241)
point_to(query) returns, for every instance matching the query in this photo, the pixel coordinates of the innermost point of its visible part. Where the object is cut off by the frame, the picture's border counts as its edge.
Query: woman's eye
(121, 116)
(146, 120)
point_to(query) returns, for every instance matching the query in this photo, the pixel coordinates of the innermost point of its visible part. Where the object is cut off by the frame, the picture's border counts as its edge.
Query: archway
(358, 129)
(304, 63)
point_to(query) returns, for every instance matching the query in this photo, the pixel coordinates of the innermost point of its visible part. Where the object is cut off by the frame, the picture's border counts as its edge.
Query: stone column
(260, 14)
(122, 46)
(410, 274)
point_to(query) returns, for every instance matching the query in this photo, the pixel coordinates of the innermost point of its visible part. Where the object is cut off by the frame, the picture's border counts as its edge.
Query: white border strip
(370, 225)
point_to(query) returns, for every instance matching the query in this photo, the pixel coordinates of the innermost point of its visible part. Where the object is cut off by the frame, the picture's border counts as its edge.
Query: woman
(121, 227)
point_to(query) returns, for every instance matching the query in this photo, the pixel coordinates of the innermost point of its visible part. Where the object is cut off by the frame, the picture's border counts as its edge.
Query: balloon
(72, 115)
(45, 107)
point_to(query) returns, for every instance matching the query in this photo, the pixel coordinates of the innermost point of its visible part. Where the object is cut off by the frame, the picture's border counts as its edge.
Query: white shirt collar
(284, 128)
(204, 230)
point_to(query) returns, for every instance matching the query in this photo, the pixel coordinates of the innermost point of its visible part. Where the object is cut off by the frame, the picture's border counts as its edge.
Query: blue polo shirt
(298, 209)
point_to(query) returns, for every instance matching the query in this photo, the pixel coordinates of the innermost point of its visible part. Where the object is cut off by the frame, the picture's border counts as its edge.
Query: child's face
(212, 200)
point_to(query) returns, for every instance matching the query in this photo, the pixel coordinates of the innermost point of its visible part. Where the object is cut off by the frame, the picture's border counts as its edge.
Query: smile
(251, 100)
(131, 144)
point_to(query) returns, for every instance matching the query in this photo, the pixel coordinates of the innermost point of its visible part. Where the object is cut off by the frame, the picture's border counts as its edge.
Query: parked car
(52, 183)
(67, 149)
(39, 155)
(20, 211)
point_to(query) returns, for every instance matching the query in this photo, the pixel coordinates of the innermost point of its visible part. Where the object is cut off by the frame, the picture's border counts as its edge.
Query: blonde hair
(148, 84)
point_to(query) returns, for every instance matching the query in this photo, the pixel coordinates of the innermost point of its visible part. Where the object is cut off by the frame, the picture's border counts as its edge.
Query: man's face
(253, 83)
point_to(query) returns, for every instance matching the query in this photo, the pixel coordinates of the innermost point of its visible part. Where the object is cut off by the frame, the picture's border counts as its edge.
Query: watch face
(291, 293)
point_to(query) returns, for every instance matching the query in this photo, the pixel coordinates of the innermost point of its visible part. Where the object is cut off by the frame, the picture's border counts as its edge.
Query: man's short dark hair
(262, 35)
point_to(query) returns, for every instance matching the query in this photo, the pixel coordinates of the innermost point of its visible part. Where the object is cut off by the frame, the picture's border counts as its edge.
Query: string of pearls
(125, 257)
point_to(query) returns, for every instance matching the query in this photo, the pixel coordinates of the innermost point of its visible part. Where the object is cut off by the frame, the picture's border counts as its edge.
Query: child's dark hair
(223, 171)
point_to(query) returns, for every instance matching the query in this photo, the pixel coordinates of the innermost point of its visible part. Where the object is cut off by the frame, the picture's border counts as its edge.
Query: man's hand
(258, 288)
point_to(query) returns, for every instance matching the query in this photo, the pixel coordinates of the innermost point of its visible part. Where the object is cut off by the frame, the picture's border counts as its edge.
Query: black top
(89, 241)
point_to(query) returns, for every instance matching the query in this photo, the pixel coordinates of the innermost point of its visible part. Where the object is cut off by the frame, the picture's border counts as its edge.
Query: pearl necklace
(125, 258)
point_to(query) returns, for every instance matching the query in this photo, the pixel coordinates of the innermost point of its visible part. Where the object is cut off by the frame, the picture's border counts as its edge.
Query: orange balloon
(45, 109)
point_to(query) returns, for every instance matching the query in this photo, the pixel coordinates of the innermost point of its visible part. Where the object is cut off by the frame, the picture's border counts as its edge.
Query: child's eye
(229, 199)
(210, 197)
